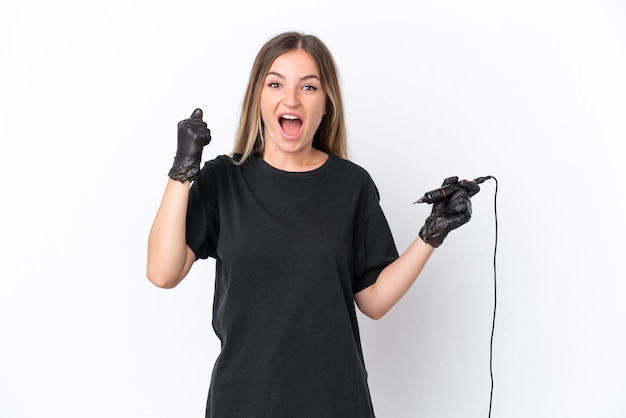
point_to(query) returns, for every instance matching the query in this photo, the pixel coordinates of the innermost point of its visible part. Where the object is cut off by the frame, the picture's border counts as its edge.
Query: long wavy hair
(330, 136)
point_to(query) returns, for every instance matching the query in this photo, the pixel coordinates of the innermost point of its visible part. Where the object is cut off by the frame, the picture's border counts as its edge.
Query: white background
(531, 92)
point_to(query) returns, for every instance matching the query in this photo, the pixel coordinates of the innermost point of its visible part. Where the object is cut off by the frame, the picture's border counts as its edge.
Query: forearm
(168, 258)
(394, 280)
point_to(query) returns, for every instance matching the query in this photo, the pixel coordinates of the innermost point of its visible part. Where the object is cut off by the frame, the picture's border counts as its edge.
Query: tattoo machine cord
(440, 194)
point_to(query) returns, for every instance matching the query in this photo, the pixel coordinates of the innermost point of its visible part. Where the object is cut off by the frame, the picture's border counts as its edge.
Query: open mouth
(290, 124)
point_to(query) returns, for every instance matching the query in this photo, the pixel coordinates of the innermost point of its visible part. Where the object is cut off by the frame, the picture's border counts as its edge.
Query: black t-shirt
(291, 249)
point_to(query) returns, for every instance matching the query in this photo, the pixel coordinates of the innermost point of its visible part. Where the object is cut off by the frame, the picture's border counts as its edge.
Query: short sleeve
(375, 248)
(202, 223)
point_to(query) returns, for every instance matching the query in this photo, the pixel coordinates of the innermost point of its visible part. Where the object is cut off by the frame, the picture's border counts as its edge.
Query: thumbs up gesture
(193, 136)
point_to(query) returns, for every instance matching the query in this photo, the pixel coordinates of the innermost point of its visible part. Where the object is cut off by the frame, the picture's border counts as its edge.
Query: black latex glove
(450, 213)
(193, 135)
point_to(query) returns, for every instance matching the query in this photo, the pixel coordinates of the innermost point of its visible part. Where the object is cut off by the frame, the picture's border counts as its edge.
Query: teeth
(291, 117)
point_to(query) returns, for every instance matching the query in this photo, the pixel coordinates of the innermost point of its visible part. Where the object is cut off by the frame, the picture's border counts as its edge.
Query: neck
(296, 162)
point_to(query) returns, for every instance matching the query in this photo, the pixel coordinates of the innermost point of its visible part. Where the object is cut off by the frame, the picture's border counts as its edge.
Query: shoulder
(220, 164)
(215, 172)
(349, 168)
(355, 174)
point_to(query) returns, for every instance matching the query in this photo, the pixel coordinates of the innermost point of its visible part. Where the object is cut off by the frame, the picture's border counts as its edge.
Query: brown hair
(331, 135)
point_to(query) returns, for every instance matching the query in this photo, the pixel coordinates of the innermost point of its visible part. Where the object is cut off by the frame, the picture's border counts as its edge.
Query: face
(292, 104)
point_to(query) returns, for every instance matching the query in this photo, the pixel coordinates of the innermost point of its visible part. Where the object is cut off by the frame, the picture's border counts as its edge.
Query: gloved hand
(450, 213)
(193, 135)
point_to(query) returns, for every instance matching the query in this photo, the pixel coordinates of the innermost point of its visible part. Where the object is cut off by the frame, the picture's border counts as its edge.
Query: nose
(292, 97)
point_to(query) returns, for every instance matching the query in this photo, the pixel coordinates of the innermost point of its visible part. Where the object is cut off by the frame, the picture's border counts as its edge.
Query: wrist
(185, 168)
(432, 233)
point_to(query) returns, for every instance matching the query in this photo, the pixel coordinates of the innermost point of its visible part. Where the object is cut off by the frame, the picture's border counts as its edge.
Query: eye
(273, 85)
(309, 87)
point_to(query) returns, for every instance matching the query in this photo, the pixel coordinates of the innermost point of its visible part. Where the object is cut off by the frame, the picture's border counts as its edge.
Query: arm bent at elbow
(169, 256)
(394, 281)
(168, 276)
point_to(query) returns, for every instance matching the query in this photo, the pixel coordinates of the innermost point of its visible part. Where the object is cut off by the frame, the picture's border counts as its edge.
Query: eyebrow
(306, 77)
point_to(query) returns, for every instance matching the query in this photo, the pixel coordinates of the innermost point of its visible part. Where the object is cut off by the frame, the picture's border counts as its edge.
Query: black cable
(439, 194)
(495, 293)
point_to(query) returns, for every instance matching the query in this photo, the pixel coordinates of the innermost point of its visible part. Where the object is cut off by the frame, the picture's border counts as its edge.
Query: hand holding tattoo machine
(452, 208)
(447, 190)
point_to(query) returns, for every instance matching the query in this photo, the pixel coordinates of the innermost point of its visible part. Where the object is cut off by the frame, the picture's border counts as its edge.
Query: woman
(298, 236)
